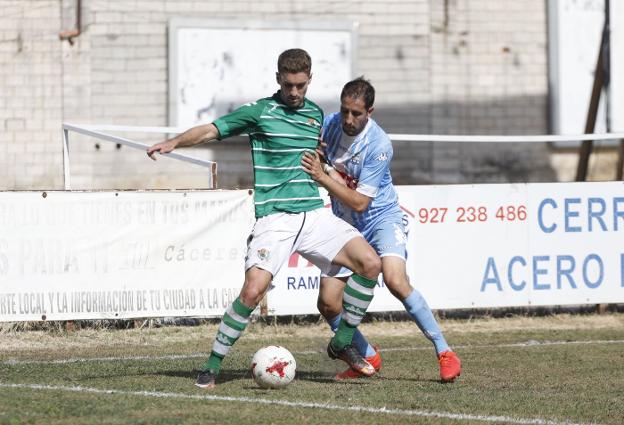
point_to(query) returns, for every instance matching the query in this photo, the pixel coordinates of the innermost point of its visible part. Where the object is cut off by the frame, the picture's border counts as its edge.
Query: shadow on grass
(228, 375)
(224, 376)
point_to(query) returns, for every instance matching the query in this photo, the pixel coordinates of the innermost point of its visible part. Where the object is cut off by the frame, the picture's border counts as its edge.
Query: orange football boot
(450, 366)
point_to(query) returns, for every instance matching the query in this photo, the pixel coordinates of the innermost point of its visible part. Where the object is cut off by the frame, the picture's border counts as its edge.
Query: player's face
(354, 115)
(294, 87)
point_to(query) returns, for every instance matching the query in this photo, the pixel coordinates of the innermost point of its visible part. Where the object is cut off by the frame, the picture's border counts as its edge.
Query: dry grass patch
(200, 336)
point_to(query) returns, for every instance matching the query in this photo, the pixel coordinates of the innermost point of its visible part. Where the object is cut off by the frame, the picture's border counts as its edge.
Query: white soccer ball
(273, 367)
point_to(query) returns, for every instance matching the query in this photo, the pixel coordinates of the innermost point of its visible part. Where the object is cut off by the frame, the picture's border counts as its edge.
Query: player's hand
(311, 164)
(162, 148)
(320, 149)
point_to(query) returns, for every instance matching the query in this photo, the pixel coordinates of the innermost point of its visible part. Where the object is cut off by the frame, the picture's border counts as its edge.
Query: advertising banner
(497, 245)
(105, 255)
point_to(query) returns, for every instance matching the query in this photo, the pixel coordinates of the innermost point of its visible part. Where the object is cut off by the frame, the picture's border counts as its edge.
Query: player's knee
(322, 307)
(400, 292)
(371, 265)
(328, 310)
(256, 284)
(252, 294)
(398, 285)
(250, 298)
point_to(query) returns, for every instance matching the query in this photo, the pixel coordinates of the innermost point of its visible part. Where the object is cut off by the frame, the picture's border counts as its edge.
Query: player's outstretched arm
(191, 137)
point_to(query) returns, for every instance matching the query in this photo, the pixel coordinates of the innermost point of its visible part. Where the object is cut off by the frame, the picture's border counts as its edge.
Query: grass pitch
(558, 370)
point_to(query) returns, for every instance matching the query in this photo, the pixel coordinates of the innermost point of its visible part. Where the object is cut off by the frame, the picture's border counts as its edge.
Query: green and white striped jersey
(278, 136)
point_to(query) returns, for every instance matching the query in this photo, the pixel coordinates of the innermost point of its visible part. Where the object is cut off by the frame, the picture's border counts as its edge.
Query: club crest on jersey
(355, 159)
(264, 254)
(313, 122)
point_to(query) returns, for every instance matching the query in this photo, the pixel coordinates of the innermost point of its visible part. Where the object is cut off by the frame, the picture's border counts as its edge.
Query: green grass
(515, 371)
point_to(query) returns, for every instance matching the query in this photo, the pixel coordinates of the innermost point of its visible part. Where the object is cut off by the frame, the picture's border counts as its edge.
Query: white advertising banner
(108, 255)
(105, 255)
(473, 246)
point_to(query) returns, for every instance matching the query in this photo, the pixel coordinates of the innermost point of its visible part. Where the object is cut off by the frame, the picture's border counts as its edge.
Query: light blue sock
(359, 342)
(417, 307)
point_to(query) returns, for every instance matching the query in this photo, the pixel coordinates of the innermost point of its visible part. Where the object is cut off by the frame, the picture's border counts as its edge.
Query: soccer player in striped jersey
(357, 176)
(290, 216)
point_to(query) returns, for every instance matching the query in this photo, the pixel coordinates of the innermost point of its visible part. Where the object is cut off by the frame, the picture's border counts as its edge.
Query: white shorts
(317, 235)
(388, 237)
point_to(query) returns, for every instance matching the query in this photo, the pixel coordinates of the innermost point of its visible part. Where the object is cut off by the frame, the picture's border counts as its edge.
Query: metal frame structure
(101, 132)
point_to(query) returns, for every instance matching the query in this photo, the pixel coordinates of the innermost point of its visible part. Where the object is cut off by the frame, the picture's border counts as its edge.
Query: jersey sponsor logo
(350, 181)
(382, 157)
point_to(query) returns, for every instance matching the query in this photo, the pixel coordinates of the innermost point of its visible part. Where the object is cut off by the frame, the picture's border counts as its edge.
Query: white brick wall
(483, 70)
(489, 76)
(30, 95)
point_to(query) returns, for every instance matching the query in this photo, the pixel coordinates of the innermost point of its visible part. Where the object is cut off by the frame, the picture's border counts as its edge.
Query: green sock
(357, 297)
(232, 325)
(344, 335)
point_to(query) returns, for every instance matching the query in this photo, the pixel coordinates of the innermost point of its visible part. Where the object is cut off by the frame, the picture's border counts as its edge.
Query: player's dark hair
(293, 61)
(359, 87)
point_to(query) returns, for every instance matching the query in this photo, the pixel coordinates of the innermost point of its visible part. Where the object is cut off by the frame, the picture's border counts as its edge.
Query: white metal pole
(66, 166)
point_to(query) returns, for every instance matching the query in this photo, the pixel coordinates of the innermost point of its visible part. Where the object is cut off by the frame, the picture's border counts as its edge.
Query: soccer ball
(273, 367)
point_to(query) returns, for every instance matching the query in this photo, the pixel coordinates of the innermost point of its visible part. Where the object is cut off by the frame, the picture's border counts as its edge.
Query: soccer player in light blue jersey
(356, 173)
(289, 211)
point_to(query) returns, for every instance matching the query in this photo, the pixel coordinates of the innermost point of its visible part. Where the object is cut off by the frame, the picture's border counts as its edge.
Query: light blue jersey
(364, 163)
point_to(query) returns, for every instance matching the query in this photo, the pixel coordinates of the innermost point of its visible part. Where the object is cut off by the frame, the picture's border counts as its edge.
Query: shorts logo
(264, 254)
(400, 235)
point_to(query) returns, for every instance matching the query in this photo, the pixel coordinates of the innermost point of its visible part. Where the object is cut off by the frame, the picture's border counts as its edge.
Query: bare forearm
(189, 138)
(196, 135)
(347, 196)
